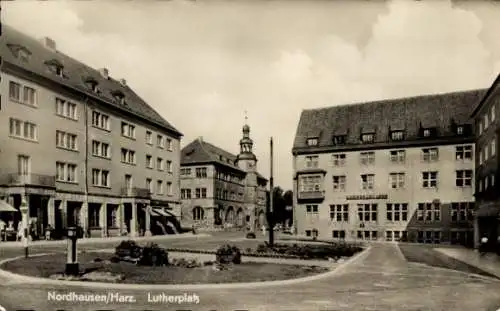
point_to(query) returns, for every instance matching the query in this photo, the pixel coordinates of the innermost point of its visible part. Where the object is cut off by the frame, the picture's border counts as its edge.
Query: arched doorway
(230, 215)
(198, 213)
(218, 212)
(240, 217)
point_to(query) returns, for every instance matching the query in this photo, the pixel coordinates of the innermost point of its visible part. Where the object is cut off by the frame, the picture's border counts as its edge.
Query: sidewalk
(489, 263)
(105, 240)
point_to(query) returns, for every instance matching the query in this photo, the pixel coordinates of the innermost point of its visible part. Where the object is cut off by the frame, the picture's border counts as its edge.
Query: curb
(105, 240)
(99, 285)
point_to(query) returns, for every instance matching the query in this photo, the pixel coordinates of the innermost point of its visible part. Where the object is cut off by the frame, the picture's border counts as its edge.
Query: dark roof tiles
(409, 114)
(76, 75)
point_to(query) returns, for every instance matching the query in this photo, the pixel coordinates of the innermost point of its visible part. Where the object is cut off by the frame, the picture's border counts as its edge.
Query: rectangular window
(149, 185)
(66, 141)
(388, 236)
(429, 179)
(160, 142)
(367, 212)
(128, 130)
(23, 165)
(15, 91)
(430, 154)
(310, 183)
(101, 149)
(397, 212)
(23, 129)
(66, 172)
(201, 172)
(368, 138)
(312, 161)
(66, 109)
(463, 152)
(169, 166)
(493, 147)
(486, 119)
(100, 121)
(339, 212)
(367, 158)
(100, 178)
(185, 171)
(367, 181)
(429, 212)
(397, 180)
(169, 189)
(398, 156)
(159, 164)
(159, 187)
(492, 113)
(170, 146)
(463, 178)
(339, 140)
(312, 142)
(311, 209)
(397, 135)
(149, 161)
(462, 211)
(339, 183)
(338, 234)
(338, 159)
(149, 137)
(128, 156)
(27, 97)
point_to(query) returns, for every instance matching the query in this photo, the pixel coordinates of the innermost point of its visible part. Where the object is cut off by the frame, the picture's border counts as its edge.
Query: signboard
(367, 197)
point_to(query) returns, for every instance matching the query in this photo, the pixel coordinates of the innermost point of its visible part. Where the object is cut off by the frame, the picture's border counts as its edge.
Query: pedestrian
(263, 230)
(483, 245)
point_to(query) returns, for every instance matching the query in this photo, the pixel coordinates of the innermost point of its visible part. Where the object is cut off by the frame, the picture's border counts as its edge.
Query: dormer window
(19, 52)
(312, 141)
(397, 135)
(119, 97)
(428, 132)
(460, 130)
(91, 83)
(339, 139)
(368, 137)
(55, 67)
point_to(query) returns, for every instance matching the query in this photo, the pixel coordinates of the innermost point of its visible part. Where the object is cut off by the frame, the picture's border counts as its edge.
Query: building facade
(79, 147)
(487, 190)
(220, 189)
(393, 170)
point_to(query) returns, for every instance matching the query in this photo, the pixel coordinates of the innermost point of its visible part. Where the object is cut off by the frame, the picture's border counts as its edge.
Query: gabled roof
(410, 114)
(494, 87)
(200, 151)
(75, 75)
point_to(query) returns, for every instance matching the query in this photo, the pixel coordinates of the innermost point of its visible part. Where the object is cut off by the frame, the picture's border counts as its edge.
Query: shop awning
(488, 211)
(6, 207)
(160, 211)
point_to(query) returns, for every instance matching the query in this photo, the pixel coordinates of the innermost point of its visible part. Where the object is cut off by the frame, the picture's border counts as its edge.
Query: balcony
(37, 180)
(311, 196)
(134, 192)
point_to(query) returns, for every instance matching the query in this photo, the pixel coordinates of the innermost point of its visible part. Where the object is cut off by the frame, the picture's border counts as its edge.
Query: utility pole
(270, 216)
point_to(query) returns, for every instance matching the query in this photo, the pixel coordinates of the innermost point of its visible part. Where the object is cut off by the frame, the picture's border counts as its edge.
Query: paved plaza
(382, 278)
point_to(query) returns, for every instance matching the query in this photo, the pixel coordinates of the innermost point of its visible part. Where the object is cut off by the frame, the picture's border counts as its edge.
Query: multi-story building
(79, 147)
(220, 189)
(397, 169)
(487, 193)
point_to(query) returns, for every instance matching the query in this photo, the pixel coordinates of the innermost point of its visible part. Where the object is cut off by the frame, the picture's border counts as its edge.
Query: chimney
(104, 73)
(123, 82)
(48, 43)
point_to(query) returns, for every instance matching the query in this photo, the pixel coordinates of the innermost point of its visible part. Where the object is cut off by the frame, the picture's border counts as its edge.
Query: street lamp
(72, 267)
(24, 222)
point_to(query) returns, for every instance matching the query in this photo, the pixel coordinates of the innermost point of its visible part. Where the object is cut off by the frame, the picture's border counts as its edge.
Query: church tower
(246, 160)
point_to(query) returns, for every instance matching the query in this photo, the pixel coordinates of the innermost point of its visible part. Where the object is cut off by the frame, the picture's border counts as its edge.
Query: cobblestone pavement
(382, 279)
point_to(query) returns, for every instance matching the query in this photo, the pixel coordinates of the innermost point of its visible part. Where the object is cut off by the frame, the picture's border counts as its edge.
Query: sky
(202, 64)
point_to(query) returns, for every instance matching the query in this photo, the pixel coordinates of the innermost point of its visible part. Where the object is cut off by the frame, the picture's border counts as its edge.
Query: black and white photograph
(250, 155)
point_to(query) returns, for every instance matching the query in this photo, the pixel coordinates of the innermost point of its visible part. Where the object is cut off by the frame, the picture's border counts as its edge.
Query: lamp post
(24, 222)
(72, 267)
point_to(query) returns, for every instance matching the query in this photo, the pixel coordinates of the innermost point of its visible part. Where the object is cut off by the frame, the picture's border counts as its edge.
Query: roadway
(381, 279)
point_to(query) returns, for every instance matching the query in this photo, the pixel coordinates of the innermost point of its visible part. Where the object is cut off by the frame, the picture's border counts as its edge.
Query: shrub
(153, 255)
(114, 259)
(310, 251)
(228, 254)
(128, 249)
(251, 235)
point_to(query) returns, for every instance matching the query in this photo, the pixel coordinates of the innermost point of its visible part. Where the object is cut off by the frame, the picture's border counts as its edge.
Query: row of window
(487, 119)
(428, 237)
(486, 183)
(64, 108)
(199, 193)
(395, 135)
(488, 151)
(396, 156)
(397, 180)
(459, 212)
